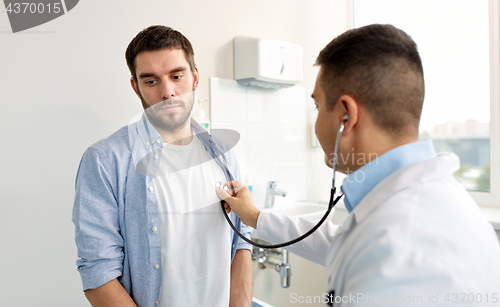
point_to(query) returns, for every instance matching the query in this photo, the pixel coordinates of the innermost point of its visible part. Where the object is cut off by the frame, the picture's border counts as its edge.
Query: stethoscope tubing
(331, 204)
(333, 201)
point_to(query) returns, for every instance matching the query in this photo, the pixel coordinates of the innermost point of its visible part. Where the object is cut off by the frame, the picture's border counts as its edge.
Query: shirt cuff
(100, 273)
(242, 244)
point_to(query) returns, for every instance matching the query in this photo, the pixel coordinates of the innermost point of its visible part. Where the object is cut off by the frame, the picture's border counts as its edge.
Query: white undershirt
(195, 238)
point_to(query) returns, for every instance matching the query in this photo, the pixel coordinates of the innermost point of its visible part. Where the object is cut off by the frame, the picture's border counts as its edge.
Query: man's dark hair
(380, 67)
(157, 38)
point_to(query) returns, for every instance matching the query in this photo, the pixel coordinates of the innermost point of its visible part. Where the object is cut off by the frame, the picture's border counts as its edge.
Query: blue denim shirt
(115, 209)
(360, 182)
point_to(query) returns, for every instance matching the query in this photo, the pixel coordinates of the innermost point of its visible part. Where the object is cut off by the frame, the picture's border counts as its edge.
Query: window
(457, 41)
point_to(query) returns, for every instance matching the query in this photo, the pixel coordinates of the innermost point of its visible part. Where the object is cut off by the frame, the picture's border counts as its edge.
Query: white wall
(65, 85)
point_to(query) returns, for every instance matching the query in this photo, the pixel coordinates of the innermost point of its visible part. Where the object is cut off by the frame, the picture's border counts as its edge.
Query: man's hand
(241, 203)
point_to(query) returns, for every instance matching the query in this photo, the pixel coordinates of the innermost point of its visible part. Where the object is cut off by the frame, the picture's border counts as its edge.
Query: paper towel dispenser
(267, 63)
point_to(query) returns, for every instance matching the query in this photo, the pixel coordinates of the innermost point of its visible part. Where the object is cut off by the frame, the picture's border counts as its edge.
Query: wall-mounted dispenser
(267, 63)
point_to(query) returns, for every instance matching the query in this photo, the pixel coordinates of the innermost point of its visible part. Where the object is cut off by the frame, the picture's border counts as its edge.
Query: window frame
(491, 198)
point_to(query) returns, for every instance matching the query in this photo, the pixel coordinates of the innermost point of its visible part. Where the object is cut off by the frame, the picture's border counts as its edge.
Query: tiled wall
(273, 129)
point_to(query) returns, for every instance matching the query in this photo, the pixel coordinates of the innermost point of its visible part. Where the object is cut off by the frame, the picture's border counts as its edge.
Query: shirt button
(156, 157)
(158, 141)
(157, 266)
(155, 229)
(151, 189)
(147, 144)
(157, 302)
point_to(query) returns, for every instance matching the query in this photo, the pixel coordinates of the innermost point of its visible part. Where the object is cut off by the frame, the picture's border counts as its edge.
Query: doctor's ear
(349, 109)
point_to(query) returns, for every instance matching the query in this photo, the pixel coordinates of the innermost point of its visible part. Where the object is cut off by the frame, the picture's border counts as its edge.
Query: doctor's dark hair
(157, 38)
(380, 67)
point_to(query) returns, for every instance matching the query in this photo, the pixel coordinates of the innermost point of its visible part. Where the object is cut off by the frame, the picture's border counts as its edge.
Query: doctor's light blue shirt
(360, 182)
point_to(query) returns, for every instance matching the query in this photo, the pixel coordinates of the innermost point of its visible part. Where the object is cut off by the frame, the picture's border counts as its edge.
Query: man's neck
(182, 136)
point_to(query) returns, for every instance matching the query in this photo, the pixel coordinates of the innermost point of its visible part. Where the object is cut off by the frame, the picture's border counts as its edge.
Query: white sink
(309, 211)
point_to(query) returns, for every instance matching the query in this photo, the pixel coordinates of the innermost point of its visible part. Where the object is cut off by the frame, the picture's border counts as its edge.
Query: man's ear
(196, 77)
(350, 107)
(135, 86)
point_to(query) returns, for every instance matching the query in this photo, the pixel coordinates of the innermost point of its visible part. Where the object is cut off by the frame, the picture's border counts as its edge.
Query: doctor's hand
(241, 202)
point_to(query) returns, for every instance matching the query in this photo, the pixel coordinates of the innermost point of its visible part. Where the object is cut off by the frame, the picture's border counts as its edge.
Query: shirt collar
(359, 183)
(148, 132)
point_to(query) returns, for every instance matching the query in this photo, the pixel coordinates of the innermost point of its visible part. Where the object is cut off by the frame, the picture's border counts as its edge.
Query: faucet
(263, 257)
(284, 269)
(271, 192)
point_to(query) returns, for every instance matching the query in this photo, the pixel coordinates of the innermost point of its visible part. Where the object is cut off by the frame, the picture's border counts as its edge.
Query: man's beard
(170, 121)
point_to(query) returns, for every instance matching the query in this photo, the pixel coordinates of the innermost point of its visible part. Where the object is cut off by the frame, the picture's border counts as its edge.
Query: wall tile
(292, 105)
(293, 143)
(262, 105)
(273, 135)
(228, 101)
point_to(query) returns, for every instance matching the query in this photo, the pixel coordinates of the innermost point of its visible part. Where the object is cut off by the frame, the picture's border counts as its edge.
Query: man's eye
(150, 82)
(177, 77)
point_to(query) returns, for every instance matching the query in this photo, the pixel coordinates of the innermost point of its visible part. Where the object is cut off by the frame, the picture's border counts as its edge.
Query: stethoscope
(333, 201)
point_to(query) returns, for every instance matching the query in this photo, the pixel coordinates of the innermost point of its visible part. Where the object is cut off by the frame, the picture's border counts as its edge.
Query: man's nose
(167, 90)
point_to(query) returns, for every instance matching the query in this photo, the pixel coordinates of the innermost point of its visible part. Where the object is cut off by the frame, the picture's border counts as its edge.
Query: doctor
(414, 236)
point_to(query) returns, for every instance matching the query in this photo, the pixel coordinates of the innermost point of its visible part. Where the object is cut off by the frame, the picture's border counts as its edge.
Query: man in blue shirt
(149, 228)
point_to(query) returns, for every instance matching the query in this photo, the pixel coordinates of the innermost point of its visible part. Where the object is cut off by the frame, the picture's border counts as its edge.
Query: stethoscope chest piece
(222, 185)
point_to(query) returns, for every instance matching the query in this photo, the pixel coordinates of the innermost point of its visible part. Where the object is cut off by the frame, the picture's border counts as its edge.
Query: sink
(309, 211)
